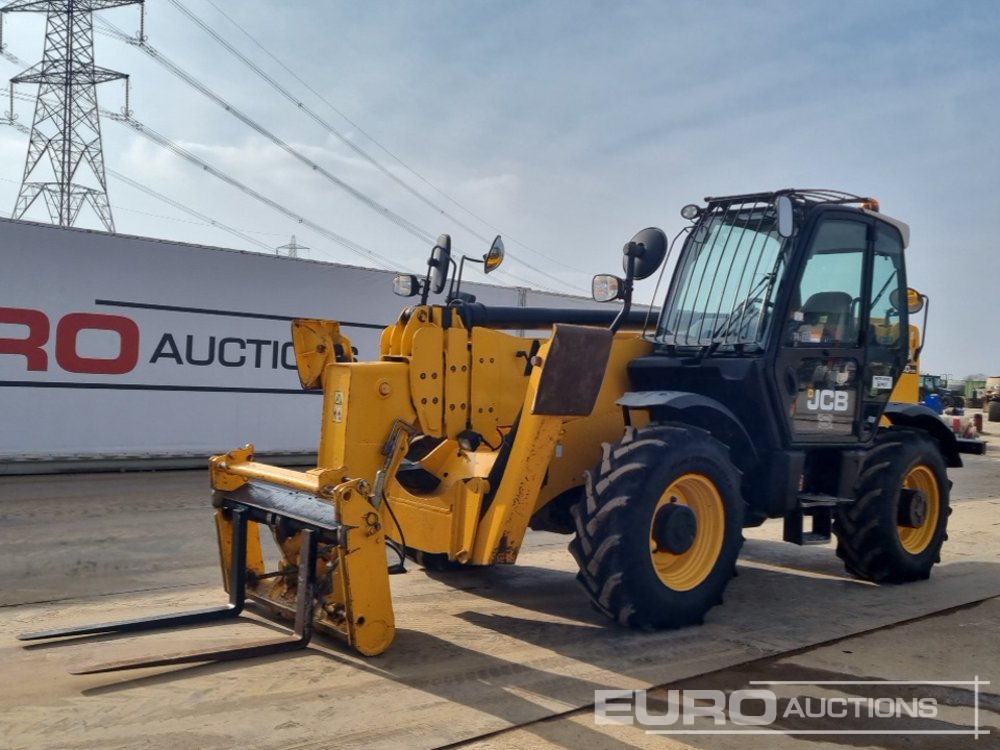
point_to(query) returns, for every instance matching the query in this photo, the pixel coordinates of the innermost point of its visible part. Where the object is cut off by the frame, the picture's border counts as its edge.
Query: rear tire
(871, 541)
(625, 566)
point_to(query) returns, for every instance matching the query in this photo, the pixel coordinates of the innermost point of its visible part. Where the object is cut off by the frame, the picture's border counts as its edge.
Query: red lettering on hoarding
(66, 339)
(29, 347)
(198, 351)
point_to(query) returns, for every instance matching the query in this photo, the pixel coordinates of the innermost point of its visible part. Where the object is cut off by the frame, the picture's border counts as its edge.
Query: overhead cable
(261, 130)
(396, 158)
(305, 109)
(165, 142)
(186, 209)
(149, 191)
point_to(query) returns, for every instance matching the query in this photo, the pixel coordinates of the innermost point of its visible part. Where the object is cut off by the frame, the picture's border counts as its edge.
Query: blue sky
(568, 126)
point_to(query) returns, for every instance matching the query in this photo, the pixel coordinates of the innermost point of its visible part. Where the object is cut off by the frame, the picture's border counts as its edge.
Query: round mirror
(648, 247)
(440, 258)
(493, 259)
(914, 300)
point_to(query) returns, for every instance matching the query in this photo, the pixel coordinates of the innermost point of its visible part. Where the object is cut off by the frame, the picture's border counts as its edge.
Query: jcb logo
(822, 400)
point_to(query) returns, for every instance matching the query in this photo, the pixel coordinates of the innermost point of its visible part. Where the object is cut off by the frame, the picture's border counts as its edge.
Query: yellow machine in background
(652, 439)
(907, 390)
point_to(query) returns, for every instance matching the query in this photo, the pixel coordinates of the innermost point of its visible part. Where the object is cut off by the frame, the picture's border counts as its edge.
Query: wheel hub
(913, 508)
(675, 527)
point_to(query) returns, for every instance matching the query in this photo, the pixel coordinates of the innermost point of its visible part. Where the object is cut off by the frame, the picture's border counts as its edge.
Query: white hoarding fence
(115, 346)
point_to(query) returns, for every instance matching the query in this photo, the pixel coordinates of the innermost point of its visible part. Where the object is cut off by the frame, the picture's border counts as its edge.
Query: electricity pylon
(291, 249)
(65, 163)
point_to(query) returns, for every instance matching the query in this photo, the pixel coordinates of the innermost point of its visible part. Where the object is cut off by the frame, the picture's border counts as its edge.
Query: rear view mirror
(648, 248)
(786, 216)
(606, 288)
(914, 300)
(440, 258)
(493, 259)
(406, 285)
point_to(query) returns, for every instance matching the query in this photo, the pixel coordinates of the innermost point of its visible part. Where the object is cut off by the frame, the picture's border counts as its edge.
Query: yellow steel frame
(438, 379)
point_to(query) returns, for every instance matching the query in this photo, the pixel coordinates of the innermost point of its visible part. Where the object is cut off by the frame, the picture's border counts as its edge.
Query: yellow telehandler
(762, 388)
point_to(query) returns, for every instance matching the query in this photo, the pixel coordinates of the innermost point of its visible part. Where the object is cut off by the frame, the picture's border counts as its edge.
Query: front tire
(993, 411)
(644, 561)
(876, 538)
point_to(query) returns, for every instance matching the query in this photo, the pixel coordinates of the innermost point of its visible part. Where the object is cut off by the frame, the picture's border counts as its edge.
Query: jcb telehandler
(761, 389)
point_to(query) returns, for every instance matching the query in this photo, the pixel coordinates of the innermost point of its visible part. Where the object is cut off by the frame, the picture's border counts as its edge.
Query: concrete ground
(496, 658)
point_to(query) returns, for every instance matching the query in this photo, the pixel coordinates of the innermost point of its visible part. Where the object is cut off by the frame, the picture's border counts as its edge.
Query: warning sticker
(882, 382)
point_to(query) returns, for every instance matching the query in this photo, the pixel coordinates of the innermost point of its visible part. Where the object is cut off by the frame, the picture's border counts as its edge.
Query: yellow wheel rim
(922, 479)
(685, 571)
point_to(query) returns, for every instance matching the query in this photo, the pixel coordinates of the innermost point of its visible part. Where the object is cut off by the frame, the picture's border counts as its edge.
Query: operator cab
(782, 313)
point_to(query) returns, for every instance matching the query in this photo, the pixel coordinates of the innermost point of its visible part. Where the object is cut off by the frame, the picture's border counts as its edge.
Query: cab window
(886, 278)
(825, 307)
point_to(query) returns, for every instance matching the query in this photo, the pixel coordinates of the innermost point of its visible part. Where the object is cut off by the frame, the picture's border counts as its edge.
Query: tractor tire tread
(602, 520)
(867, 536)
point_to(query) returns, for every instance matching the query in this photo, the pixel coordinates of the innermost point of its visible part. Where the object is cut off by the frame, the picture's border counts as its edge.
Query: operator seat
(833, 309)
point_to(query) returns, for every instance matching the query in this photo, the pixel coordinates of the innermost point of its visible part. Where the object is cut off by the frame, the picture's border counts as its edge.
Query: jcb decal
(824, 400)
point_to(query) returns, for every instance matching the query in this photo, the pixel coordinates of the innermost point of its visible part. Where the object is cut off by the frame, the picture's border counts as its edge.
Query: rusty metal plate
(573, 371)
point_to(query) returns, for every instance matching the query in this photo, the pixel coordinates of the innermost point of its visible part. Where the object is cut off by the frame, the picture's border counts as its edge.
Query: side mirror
(648, 248)
(605, 288)
(786, 216)
(914, 300)
(406, 285)
(493, 259)
(440, 258)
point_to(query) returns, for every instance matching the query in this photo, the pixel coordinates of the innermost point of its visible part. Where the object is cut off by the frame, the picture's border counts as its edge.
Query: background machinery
(937, 385)
(763, 388)
(991, 398)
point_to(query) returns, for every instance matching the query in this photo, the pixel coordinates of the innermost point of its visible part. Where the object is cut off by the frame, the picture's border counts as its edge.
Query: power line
(178, 220)
(181, 207)
(148, 190)
(162, 141)
(165, 142)
(159, 196)
(305, 109)
(385, 212)
(396, 158)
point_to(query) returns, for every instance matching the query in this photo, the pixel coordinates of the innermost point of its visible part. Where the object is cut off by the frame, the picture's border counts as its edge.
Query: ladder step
(810, 537)
(821, 500)
(821, 527)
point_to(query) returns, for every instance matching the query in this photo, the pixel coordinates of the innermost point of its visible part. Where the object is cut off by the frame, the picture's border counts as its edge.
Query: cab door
(887, 326)
(839, 352)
